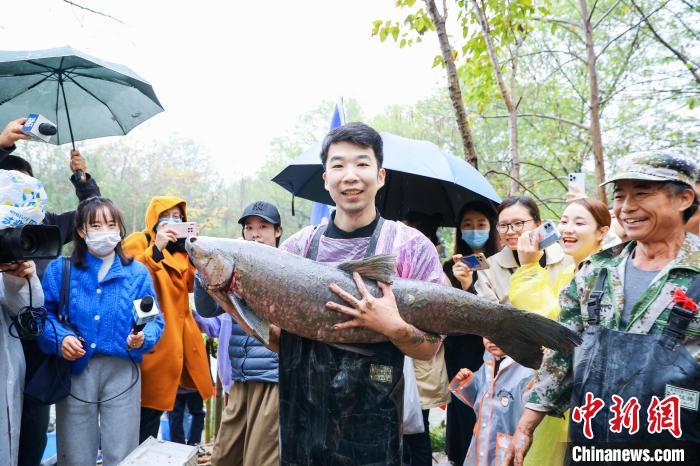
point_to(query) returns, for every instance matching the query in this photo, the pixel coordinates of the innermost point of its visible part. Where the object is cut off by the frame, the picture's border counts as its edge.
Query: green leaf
(438, 61)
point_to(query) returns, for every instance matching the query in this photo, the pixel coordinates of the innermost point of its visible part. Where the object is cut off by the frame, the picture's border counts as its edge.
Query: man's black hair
(358, 134)
(15, 162)
(675, 188)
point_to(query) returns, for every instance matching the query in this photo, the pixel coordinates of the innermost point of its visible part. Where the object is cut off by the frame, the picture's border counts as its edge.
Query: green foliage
(437, 437)
(648, 96)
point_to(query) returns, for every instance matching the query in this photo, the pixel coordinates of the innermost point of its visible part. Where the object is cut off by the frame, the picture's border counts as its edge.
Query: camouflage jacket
(552, 390)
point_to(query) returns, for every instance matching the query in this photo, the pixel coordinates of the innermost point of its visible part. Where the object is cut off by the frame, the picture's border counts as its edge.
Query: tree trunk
(507, 97)
(453, 84)
(596, 138)
(513, 132)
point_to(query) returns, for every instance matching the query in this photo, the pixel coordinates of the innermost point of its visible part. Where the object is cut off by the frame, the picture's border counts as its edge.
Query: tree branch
(605, 15)
(692, 67)
(534, 194)
(93, 11)
(547, 117)
(629, 29)
(558, 20)
(549, 172)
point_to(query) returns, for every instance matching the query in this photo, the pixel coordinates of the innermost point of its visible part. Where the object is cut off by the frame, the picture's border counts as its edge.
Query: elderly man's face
(647, 211)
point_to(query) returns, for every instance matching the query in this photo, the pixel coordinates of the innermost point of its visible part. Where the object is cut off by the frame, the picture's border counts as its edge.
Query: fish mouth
(223, 285)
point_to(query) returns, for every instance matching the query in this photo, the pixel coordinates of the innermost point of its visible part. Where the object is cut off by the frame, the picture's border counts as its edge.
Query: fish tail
(523, 334)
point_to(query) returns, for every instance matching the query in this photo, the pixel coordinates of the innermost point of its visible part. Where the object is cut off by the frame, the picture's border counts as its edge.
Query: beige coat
(431, 378)
(493, 283)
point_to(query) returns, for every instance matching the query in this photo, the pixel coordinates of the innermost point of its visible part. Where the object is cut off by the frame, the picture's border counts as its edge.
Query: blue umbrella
(420, 177)
(86, 97)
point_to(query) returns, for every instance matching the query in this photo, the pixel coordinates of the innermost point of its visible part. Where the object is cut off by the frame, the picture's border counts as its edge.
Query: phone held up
(549, 234)
(476, 261)
(184, 229)
(578, 179)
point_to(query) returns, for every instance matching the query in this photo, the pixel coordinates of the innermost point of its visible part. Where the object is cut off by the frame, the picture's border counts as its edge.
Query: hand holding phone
(476, 262)
(548, 234)
(577, 187)
(184, 229)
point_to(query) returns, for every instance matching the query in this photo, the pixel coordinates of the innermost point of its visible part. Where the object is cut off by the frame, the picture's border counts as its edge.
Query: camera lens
(28, 243)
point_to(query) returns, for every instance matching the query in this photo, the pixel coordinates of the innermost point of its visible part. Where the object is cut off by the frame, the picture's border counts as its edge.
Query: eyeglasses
(517, 227)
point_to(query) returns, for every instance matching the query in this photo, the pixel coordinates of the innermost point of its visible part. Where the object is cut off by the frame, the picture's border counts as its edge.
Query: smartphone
(184, 229)
(578, 179)
(476, 261)
(549, 234)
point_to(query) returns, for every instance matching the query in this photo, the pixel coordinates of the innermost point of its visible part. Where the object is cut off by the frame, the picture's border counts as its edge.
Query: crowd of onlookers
(122, 380)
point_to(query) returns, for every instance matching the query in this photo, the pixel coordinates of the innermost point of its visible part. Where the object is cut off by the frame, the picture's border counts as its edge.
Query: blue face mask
(169, 220)
(475, 238)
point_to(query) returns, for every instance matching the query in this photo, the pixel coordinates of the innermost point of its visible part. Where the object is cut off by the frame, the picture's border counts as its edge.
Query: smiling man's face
(352, 177)
(646, 211)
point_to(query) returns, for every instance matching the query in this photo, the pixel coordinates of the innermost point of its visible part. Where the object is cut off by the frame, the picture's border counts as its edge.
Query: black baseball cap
(262, 209)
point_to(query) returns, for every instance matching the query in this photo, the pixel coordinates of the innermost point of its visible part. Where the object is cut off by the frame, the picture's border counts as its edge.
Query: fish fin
(251, 322)
(523, 334)
(379, 268)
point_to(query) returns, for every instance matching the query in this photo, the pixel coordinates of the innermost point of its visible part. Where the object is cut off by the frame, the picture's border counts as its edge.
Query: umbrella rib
(126, 84)
(50, 68)
(26, 90)
(100, 101)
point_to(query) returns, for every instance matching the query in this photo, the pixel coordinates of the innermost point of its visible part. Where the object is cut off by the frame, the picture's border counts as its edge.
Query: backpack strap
(593, 305)
(64, 301)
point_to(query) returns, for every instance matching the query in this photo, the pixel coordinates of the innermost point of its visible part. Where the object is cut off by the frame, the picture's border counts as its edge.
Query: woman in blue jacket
(104, 405)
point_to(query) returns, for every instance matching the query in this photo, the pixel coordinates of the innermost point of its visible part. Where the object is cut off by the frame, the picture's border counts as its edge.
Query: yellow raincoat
(531, 289)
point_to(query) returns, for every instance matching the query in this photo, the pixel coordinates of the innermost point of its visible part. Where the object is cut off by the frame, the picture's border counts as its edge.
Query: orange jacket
(181, 346)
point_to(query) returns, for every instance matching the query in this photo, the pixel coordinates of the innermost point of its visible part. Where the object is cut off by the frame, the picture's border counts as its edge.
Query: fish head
(214, 259)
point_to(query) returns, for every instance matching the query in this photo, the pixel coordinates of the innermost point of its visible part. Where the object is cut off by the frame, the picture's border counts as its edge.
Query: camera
(30, 242)
(549, 234)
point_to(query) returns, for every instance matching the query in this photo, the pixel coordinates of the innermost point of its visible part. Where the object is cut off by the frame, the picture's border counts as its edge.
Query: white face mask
(102, 243)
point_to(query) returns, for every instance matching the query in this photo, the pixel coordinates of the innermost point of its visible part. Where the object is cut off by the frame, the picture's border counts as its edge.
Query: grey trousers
(81, 428)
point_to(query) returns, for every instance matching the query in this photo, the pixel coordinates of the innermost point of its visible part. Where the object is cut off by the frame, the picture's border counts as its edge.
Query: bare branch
(93, 11)
(605, 47)
(692, 67)
(558, 20)
(605, 15)
(552, 174)
(623, 69)
(590, 15)
(547, 117)
(534, 194)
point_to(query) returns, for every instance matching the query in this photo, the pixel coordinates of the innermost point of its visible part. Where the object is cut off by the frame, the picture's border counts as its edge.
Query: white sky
(249, 68)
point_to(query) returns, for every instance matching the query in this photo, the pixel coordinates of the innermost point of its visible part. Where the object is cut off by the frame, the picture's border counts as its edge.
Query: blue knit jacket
(100, 311)
(250, 360)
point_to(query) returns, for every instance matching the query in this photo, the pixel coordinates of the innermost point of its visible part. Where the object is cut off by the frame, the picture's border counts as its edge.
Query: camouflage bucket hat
(656, 167)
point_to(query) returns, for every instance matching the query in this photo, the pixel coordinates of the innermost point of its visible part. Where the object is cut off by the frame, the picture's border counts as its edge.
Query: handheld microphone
(47, 129)
(145, 310)
(39, 128)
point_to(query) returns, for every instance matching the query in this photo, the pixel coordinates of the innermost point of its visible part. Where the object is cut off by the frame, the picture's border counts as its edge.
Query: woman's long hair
(491, 246)
(88, 212)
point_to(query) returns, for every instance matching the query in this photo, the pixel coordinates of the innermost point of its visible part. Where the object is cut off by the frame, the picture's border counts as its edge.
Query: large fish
(258, 284)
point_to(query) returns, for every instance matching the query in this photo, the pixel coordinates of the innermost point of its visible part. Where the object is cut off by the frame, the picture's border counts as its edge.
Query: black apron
(340, 405)
(612, 362)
